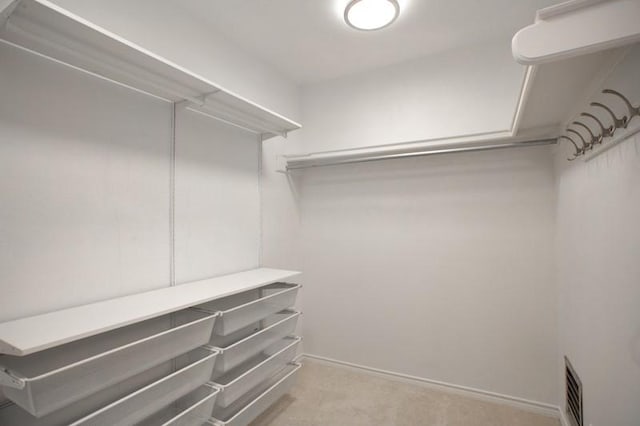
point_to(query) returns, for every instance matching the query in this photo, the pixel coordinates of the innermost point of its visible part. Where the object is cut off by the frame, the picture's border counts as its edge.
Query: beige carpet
(327, 395)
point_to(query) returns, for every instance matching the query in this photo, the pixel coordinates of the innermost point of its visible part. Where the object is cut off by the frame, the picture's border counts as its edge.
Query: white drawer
(256, 370)
(269, 300)
(193, 409)
(54, 378)
(154, 397)
(247, 408)
(269, 332)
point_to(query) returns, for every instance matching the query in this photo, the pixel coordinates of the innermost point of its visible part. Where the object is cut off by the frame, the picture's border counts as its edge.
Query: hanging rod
(303, 163)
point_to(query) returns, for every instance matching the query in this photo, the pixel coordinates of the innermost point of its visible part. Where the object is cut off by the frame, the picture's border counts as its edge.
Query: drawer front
(245, 410)
(152, 398)
(273, 300)
(121, 359)
(235, 354)
(193, 409)
(275, 358)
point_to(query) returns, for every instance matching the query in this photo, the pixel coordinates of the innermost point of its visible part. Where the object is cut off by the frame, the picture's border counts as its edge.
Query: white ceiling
(308, 41)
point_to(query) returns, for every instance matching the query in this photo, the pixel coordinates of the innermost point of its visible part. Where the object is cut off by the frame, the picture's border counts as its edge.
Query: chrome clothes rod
(295, 164)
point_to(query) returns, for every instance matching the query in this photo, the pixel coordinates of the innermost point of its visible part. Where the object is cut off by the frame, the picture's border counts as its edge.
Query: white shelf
(29, 335)
(49, 30)
(576, 28)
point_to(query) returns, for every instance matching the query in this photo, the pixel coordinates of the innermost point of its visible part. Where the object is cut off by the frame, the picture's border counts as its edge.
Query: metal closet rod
(453, 150)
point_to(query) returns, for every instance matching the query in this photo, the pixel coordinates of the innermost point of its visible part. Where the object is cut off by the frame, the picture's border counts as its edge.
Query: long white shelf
(33, 334)
(49, 30)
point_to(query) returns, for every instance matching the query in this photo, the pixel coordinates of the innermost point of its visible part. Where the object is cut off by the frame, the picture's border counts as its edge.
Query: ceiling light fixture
(368, 15)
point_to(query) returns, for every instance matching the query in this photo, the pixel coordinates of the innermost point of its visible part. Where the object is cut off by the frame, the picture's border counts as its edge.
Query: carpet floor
(332, 396)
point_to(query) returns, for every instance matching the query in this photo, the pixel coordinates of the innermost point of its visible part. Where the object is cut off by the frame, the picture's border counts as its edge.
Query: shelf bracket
(202, 99)
(264, 136)
(9, 380)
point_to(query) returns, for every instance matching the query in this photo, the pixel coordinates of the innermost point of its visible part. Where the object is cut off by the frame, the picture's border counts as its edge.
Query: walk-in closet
(319, 213)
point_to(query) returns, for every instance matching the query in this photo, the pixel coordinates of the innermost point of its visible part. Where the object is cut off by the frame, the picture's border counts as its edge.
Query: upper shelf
(575, 28)
(33, 334)
(47, 29)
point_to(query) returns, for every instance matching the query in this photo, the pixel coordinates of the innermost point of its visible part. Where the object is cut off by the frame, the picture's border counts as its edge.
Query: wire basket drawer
(272, 299)
(269, 332)
(135, 398)
(247, 408)
(193, 409)
(256, 370)
(154, 397)
(54, 378)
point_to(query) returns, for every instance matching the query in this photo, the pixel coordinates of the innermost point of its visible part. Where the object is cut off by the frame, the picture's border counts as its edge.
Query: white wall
(84, 188)
(460, 92)
(281, 216)
(598, 270)
(217, 198)
(598, 248)
(168, 29)
(437, 267)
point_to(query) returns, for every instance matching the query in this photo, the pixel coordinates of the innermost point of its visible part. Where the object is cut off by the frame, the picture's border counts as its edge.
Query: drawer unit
(269, 332)
(256, 370)
(151, 359)
(46, 381)
(270, 299)
(250, 406)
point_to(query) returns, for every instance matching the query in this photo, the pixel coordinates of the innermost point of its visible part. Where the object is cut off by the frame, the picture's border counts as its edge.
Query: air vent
(574, 394)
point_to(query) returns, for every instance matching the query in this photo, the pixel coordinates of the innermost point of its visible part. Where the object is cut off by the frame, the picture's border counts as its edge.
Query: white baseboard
(521, 403)
(564, 421)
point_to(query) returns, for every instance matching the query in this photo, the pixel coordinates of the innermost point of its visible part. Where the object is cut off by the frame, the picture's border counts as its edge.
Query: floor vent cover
(574, 394)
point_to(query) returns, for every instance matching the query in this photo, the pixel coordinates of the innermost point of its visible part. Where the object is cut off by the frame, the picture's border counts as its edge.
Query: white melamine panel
(436, 267)
(84, 188)
(217, 198)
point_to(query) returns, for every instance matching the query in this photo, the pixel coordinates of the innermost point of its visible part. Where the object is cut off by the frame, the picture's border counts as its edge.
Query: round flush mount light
(368, 15)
